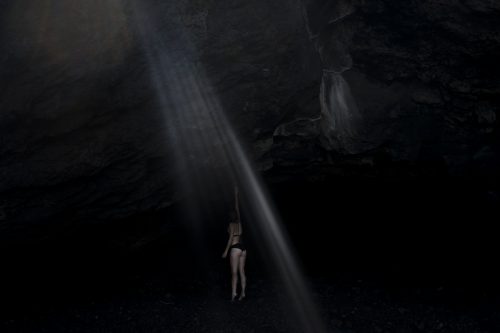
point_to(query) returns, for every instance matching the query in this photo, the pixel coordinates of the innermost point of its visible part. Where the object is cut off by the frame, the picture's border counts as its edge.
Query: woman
(237, 251)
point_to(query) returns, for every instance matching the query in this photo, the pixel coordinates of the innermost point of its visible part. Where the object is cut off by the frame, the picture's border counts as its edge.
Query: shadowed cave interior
(370, 127)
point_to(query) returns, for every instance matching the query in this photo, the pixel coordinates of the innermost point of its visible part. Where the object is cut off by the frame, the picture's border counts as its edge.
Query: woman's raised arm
(236, 202)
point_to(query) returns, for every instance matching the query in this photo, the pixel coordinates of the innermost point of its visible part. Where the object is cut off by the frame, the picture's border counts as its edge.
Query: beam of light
(207, 149)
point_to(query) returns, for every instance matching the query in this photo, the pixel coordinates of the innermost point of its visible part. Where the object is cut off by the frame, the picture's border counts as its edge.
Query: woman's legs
(235, 257)
(243, 277)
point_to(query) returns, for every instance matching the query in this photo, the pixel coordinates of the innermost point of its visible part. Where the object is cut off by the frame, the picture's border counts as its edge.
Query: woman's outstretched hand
(224, 255)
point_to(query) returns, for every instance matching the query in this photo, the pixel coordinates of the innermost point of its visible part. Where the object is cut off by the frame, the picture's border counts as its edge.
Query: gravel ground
(156, 304)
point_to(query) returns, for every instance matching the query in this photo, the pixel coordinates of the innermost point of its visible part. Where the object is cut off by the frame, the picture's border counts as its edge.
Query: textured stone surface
(83, 138)
(423, 75)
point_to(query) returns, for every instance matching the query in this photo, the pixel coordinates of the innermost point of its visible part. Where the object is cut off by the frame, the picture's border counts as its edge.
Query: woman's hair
(233, 217)
(234, 227)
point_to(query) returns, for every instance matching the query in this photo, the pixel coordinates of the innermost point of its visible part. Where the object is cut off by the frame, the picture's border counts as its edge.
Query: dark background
(404, 198)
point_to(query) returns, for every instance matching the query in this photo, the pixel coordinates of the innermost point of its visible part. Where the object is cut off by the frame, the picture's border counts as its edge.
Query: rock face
(83, 135)
(417, 80)
(84, 138)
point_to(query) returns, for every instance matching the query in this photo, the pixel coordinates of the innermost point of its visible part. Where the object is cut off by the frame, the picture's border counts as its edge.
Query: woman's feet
(242, 296)
(234, 297)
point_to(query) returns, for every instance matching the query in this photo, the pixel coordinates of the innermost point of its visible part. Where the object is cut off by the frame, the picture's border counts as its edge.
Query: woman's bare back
(236, 231)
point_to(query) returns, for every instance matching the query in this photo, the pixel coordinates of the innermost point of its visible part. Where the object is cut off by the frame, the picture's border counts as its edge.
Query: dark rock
(84, 139)
(403, 62)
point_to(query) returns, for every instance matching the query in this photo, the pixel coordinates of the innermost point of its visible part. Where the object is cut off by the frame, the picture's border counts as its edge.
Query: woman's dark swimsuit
(238, 245)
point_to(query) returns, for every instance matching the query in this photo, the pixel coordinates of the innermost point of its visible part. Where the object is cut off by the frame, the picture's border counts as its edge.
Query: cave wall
(83, 136)
(422, 77)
